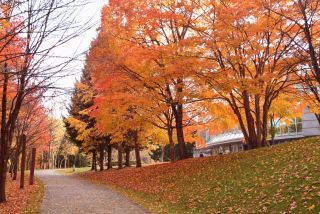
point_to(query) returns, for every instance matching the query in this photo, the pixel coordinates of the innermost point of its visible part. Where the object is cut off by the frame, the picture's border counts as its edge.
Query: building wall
(310, 125)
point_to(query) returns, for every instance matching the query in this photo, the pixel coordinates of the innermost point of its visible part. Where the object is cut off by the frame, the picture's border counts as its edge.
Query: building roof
(229, 137)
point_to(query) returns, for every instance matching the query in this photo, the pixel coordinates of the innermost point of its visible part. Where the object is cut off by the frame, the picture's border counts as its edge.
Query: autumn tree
(33, 121)
(157, 44)
(305, 16)
(249, 60)
(79, 125)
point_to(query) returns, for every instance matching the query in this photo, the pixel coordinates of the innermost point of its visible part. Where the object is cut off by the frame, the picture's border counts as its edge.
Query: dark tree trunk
(171, 143)
(318, 118)
(101, 160)
(32, 165)
(258, 121)
(3, 172)
(127, 150)
(162, 154)
(4, 150)
(180, 135)
(177, 110)
(137, 152)
(120, 155)
(16, 160)
(109, 148)
(250, 121)
(94, 161)
(23, 160)
(265, 123)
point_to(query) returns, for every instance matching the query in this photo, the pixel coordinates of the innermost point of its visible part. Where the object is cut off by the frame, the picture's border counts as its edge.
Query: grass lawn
(19, 201)
(282, 178)
(69, 171)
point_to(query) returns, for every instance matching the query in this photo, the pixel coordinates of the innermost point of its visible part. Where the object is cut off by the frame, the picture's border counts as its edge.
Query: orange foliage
(17, 199)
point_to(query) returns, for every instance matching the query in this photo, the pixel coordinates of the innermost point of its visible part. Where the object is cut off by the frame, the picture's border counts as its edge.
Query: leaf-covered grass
(35, 199)
(19, 201)
(282, 178)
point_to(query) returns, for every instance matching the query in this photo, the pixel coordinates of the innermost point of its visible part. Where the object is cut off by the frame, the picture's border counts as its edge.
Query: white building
(233, 141)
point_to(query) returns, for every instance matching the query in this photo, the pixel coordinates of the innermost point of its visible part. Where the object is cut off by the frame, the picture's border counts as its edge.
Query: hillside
(279, 178)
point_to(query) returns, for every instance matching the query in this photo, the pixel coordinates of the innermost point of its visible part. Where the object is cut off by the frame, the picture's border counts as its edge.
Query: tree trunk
(120, 155)
(258, 121)
(109, 148)
(250, 121)
(265, 123)
(177, 110)
(94, 159)
(101, 158)
(4, 147)
(137, 152)
(16, 159)
(61, 162)
(32, 165)
(318, 118)
(171, 143)
(162, 154)
(180, 135)
(42, 162)
(127, 150)
(3, 174)
(23, 161)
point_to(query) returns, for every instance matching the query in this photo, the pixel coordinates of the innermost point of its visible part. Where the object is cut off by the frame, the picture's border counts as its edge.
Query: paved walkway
(65, 194)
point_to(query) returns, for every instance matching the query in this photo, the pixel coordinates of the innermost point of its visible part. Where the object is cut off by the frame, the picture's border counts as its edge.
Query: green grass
(70, 171)
(281, 179)
(35, 199)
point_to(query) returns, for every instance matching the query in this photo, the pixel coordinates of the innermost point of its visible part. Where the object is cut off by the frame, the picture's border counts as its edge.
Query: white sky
(79, 45)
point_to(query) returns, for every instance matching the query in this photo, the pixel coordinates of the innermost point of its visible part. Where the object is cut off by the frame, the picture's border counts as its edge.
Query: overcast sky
(90, 12)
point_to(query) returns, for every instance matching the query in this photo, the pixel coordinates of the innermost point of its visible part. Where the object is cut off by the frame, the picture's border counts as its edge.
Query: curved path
(65, 194)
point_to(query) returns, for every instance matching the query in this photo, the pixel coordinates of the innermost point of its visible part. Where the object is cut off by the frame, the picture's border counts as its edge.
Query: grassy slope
(280, 178)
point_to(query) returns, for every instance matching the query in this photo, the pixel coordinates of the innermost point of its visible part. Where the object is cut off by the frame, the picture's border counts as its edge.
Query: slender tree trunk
(16, 160)
(162, 154)
(265, 124)
(250, 121)
(94, 160)
(42, 162)
(171, 143)
(137, 152)
(61, 162)
(318, 118)
(127, 150)
(23, 160)
(120, 155)
(109, 148)
(236, 110)
(54, 161)
(178, 115)
(258, 121)
(32, 165)
(4, 150)
(101, 156)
